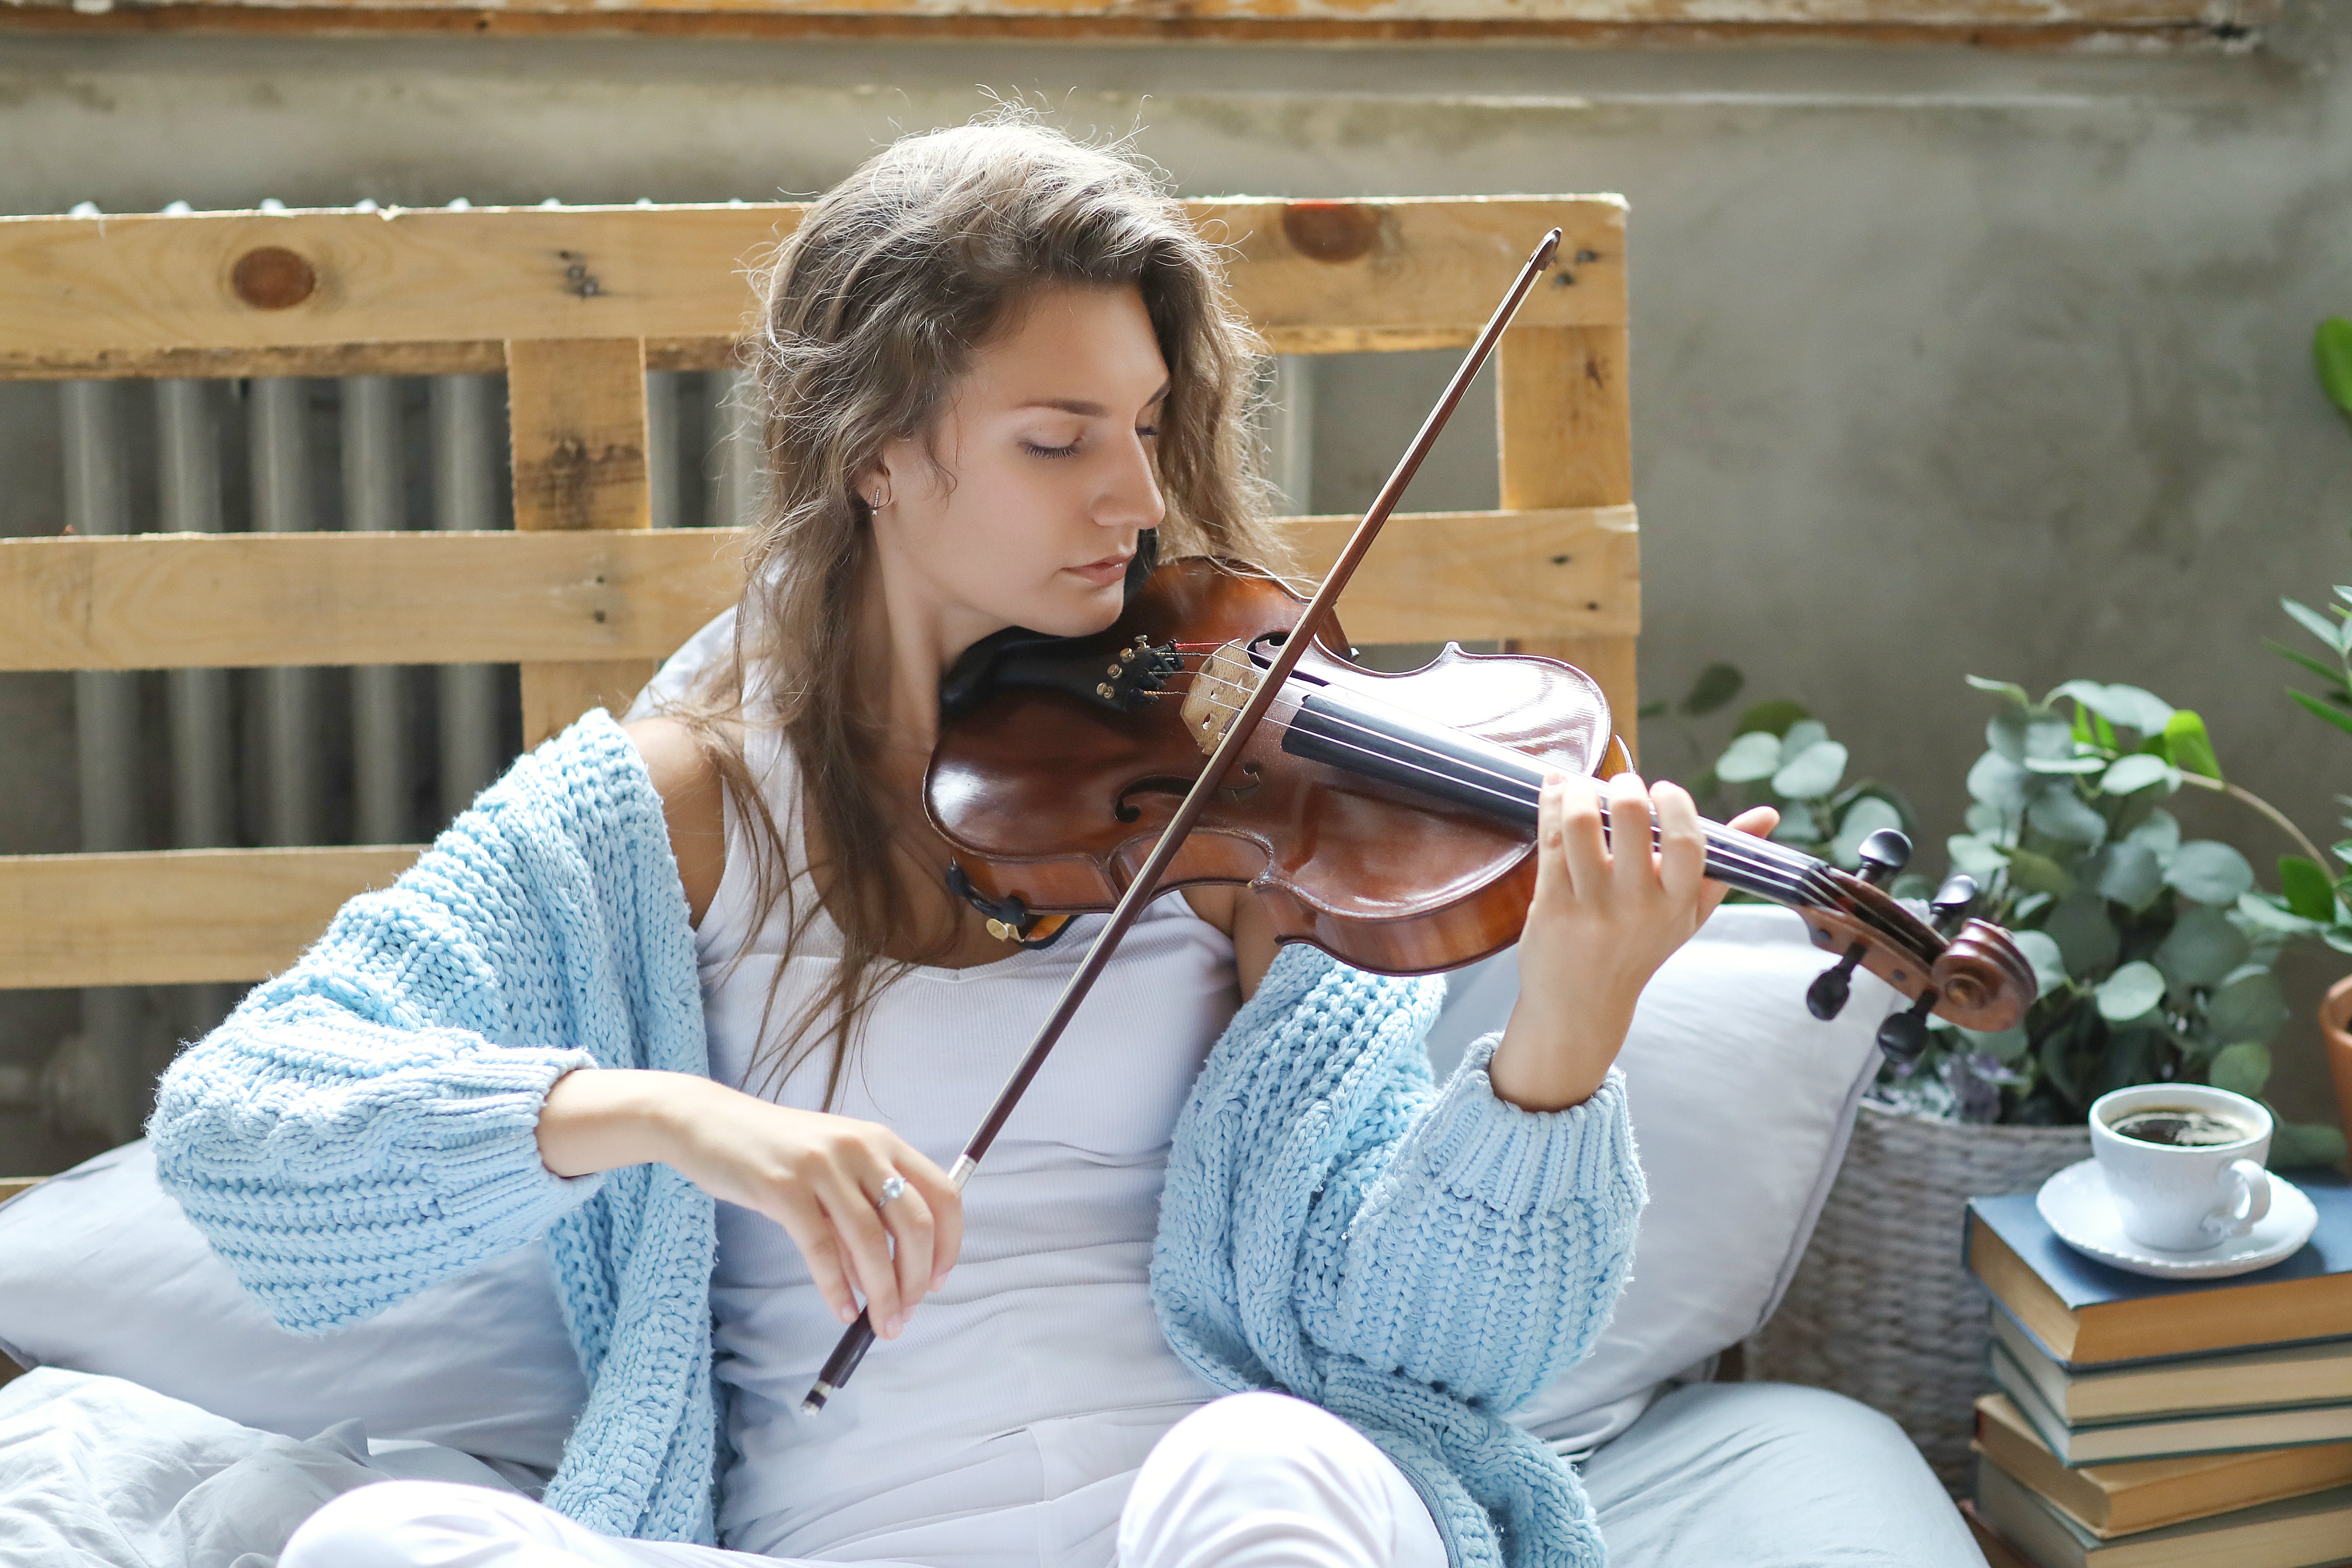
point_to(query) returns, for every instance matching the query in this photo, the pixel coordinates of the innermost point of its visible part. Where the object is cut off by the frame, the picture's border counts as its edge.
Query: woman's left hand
(1604, 916)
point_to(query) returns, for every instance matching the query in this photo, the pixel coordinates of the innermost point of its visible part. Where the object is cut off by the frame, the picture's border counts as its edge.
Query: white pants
(1253, 1481)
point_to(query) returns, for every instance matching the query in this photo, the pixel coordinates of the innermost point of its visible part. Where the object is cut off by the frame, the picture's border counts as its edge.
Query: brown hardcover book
(2298, 1533)
(2117, 1500)
(2085, 1313)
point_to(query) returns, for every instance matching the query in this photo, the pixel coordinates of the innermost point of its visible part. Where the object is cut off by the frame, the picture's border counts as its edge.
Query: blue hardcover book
(2082, 1312)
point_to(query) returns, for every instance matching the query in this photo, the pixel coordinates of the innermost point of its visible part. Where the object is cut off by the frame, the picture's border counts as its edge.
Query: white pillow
(1742, 1101)
(100, 1272)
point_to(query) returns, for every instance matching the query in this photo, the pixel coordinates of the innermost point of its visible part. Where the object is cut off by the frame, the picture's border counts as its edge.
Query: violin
(1389, 820)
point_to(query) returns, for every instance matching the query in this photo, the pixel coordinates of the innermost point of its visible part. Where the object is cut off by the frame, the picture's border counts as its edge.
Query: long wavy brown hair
(870, 311)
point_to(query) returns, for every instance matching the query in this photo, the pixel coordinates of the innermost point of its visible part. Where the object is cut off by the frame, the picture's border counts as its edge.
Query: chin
(1076, 614)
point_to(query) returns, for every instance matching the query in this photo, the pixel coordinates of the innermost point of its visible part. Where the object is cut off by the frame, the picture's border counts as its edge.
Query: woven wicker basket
(1881, 1307)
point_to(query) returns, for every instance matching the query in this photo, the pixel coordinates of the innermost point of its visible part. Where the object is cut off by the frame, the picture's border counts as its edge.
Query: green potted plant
(2154, 954)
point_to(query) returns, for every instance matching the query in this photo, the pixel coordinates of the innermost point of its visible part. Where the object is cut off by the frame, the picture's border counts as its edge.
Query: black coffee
(2183, 1129)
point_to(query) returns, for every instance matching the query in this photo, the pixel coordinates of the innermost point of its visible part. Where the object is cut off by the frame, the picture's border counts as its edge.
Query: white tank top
(1003, 1426)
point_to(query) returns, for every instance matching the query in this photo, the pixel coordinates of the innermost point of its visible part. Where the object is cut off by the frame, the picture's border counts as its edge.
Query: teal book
(2081, 1312)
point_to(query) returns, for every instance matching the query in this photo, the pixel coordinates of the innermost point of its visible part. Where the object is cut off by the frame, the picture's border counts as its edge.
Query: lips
(1108, 570)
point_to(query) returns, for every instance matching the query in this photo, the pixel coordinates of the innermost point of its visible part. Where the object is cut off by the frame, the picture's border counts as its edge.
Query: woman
(715, 959)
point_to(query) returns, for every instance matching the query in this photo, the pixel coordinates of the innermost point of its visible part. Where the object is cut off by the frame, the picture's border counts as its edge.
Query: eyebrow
(1083, 408)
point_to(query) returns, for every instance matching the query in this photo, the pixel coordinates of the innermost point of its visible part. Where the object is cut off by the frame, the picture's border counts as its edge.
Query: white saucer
(2077, 1204)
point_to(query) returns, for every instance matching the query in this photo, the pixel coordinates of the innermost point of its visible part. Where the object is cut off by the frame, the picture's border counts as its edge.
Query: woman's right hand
(816, 1175)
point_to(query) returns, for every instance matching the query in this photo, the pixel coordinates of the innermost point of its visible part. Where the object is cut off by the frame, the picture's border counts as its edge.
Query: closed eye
(1035, 450)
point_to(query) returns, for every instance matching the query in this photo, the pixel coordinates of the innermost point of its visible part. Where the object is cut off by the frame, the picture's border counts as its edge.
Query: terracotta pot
(2336, 1023)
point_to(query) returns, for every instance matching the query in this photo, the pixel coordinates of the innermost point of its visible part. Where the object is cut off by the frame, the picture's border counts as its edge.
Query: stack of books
(2151, 1422)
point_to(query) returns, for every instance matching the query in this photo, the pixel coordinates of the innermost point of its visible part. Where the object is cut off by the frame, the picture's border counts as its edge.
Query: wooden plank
(161, 601)
(577, 410)
(176, 917)
(458, 358)
(553, 695)
(165, 601)
(1468, 576)
(1724, 13)
(1565, 425)
(17, 1186)
(2219, 27)
(101, 295)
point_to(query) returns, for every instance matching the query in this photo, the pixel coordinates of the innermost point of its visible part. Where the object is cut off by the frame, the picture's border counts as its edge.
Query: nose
(1130, 496)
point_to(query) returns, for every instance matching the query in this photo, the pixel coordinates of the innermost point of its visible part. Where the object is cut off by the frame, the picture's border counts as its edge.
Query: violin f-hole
(1172, 783)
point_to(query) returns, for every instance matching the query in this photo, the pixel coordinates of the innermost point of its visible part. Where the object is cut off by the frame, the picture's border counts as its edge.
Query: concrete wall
(1944, 362)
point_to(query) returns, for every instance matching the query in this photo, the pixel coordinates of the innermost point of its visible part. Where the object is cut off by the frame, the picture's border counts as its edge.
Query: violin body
(1056, 803)
(1386, 818)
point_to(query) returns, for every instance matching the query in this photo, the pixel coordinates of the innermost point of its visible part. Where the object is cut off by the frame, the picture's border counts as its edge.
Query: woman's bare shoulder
(693, 804)
(1229, 906)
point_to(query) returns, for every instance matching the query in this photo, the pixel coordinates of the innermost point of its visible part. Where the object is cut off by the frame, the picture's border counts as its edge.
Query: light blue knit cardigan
(1416, 1259)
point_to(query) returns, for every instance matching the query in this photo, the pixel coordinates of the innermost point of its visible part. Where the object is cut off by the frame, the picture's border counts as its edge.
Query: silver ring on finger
(894, 1187)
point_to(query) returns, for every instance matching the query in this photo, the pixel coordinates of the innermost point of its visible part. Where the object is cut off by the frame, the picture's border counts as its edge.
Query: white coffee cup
(2184, 1197)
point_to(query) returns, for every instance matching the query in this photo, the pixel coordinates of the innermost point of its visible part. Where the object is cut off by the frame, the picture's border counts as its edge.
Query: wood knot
(272, 278)
(1330, 231)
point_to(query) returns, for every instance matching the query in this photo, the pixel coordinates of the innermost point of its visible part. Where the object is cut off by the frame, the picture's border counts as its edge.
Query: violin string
(1734, 850)
(1789, 866)
(1782, 857)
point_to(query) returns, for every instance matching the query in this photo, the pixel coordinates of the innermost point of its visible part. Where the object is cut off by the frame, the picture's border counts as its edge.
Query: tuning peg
(1903, 1038)
(1884, 853)
(1825, 997)
(1951, 903)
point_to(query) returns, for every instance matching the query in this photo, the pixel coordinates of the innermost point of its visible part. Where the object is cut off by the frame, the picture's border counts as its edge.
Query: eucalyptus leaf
(2087, 940)
(1983, 818)
(2131, 991)
(2030, 905)
(2040, 950)
(2160, 833)
(2083, 766)
(1812, 773)
(2201, 947)
(1773, 717)
(2189, 748)
(2008, 689)
(2049, 739)
(2005, 732)
(2008, 1046)
(1999, 783)
(2038, 873)
(1801, 737)
(2138, 771)
(1716, 685)
(1796, 825)
(1754, 755)
(2326, 631)
(2249, 1007)
(2130, 706)
(2331, 353)
(1975, 855)
(2062, 814)
(1863, 818)
(2269, 914)
(2131, 875)
(2242, 1068)
(2210, 871)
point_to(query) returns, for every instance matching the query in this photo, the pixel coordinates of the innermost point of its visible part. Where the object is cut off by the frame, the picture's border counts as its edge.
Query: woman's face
(1043, 474)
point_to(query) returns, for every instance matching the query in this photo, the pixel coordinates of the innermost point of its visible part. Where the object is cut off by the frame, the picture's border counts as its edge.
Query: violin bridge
(1220, 688)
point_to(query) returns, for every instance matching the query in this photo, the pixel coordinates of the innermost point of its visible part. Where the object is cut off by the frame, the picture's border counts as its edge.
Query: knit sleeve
(366, 1124)
(1470, 1244)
